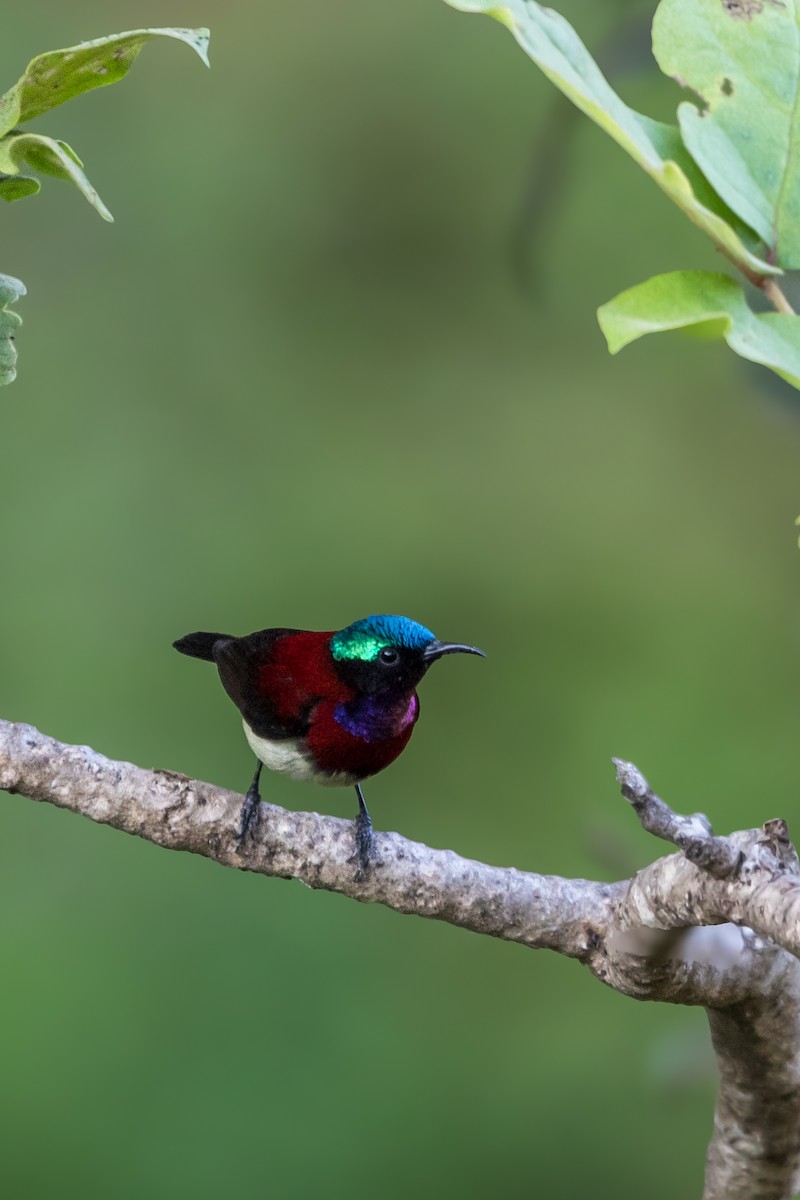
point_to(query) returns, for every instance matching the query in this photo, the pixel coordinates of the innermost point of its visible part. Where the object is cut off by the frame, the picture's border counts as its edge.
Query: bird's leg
(250, 806)
(365, 837)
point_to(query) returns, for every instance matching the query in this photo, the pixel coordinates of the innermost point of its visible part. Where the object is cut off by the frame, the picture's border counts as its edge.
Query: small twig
(693, 835)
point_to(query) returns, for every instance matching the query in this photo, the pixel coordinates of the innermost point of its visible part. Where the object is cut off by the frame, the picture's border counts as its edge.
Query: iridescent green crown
(365, 639)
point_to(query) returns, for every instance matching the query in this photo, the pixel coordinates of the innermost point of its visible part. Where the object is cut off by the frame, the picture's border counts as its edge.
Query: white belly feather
(289, 757)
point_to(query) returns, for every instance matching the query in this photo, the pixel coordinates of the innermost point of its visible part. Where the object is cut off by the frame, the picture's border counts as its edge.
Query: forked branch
(717, 924)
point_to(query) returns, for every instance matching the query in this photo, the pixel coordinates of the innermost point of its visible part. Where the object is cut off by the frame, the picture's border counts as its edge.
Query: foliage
(10, 290)
(712, 303)
(49, 80)
(731, 163)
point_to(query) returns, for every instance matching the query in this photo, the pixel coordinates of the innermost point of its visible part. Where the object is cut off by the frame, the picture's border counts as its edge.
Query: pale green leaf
(742, 58)
(555, 47)
(712, 303)
(59, 75)
(50, 157)
(10, 291)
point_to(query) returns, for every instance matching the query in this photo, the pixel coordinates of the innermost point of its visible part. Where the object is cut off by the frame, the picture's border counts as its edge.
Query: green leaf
(555, 47)
(59, 75)
(712, 303)
(10, 291)
(17, 187)
(742, 57)
(50, 157)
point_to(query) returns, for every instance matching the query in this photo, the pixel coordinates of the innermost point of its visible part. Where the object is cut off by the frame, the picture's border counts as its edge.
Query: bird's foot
(366, 854)
(248, 818)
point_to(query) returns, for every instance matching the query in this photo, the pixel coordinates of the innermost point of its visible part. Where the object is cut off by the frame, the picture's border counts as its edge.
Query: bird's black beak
(436, 649)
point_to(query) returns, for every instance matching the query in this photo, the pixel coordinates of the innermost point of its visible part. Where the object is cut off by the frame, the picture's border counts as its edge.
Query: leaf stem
(776, 297)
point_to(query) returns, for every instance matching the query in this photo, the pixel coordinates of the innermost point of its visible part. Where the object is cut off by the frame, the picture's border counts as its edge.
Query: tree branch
(179, 813)
(716, 925)
(751, 878)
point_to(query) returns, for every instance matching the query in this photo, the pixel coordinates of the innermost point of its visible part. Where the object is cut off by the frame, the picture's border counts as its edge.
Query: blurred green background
(304, 378)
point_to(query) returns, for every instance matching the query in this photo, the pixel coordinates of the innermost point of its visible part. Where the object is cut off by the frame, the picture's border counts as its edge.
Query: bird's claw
(248, 818)
(366, 854)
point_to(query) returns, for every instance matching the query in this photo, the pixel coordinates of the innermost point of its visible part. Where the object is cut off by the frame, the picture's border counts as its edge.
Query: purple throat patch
(377, 718)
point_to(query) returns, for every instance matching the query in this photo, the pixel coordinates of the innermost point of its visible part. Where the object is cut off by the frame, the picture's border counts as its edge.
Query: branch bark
(717, 924)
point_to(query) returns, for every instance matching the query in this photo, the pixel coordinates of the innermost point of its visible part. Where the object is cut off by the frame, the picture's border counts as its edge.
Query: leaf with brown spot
(745, 135)
(52, 78)
(552, 43)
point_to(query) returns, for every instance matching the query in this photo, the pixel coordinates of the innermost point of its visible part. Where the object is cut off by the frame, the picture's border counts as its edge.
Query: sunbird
(333, 708)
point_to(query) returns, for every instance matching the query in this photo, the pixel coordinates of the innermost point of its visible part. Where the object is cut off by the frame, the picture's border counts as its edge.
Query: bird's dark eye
(388, 655)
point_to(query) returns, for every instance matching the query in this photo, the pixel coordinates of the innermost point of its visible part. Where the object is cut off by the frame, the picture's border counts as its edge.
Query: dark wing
(241, 662)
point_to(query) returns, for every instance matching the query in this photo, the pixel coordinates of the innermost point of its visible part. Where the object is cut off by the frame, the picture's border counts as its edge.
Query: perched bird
(333, 708)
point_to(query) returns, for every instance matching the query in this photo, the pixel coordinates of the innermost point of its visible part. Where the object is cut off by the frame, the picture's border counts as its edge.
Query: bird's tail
(200, 645)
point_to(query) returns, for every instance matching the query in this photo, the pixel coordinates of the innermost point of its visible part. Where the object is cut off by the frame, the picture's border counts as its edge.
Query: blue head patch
(365, 639)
